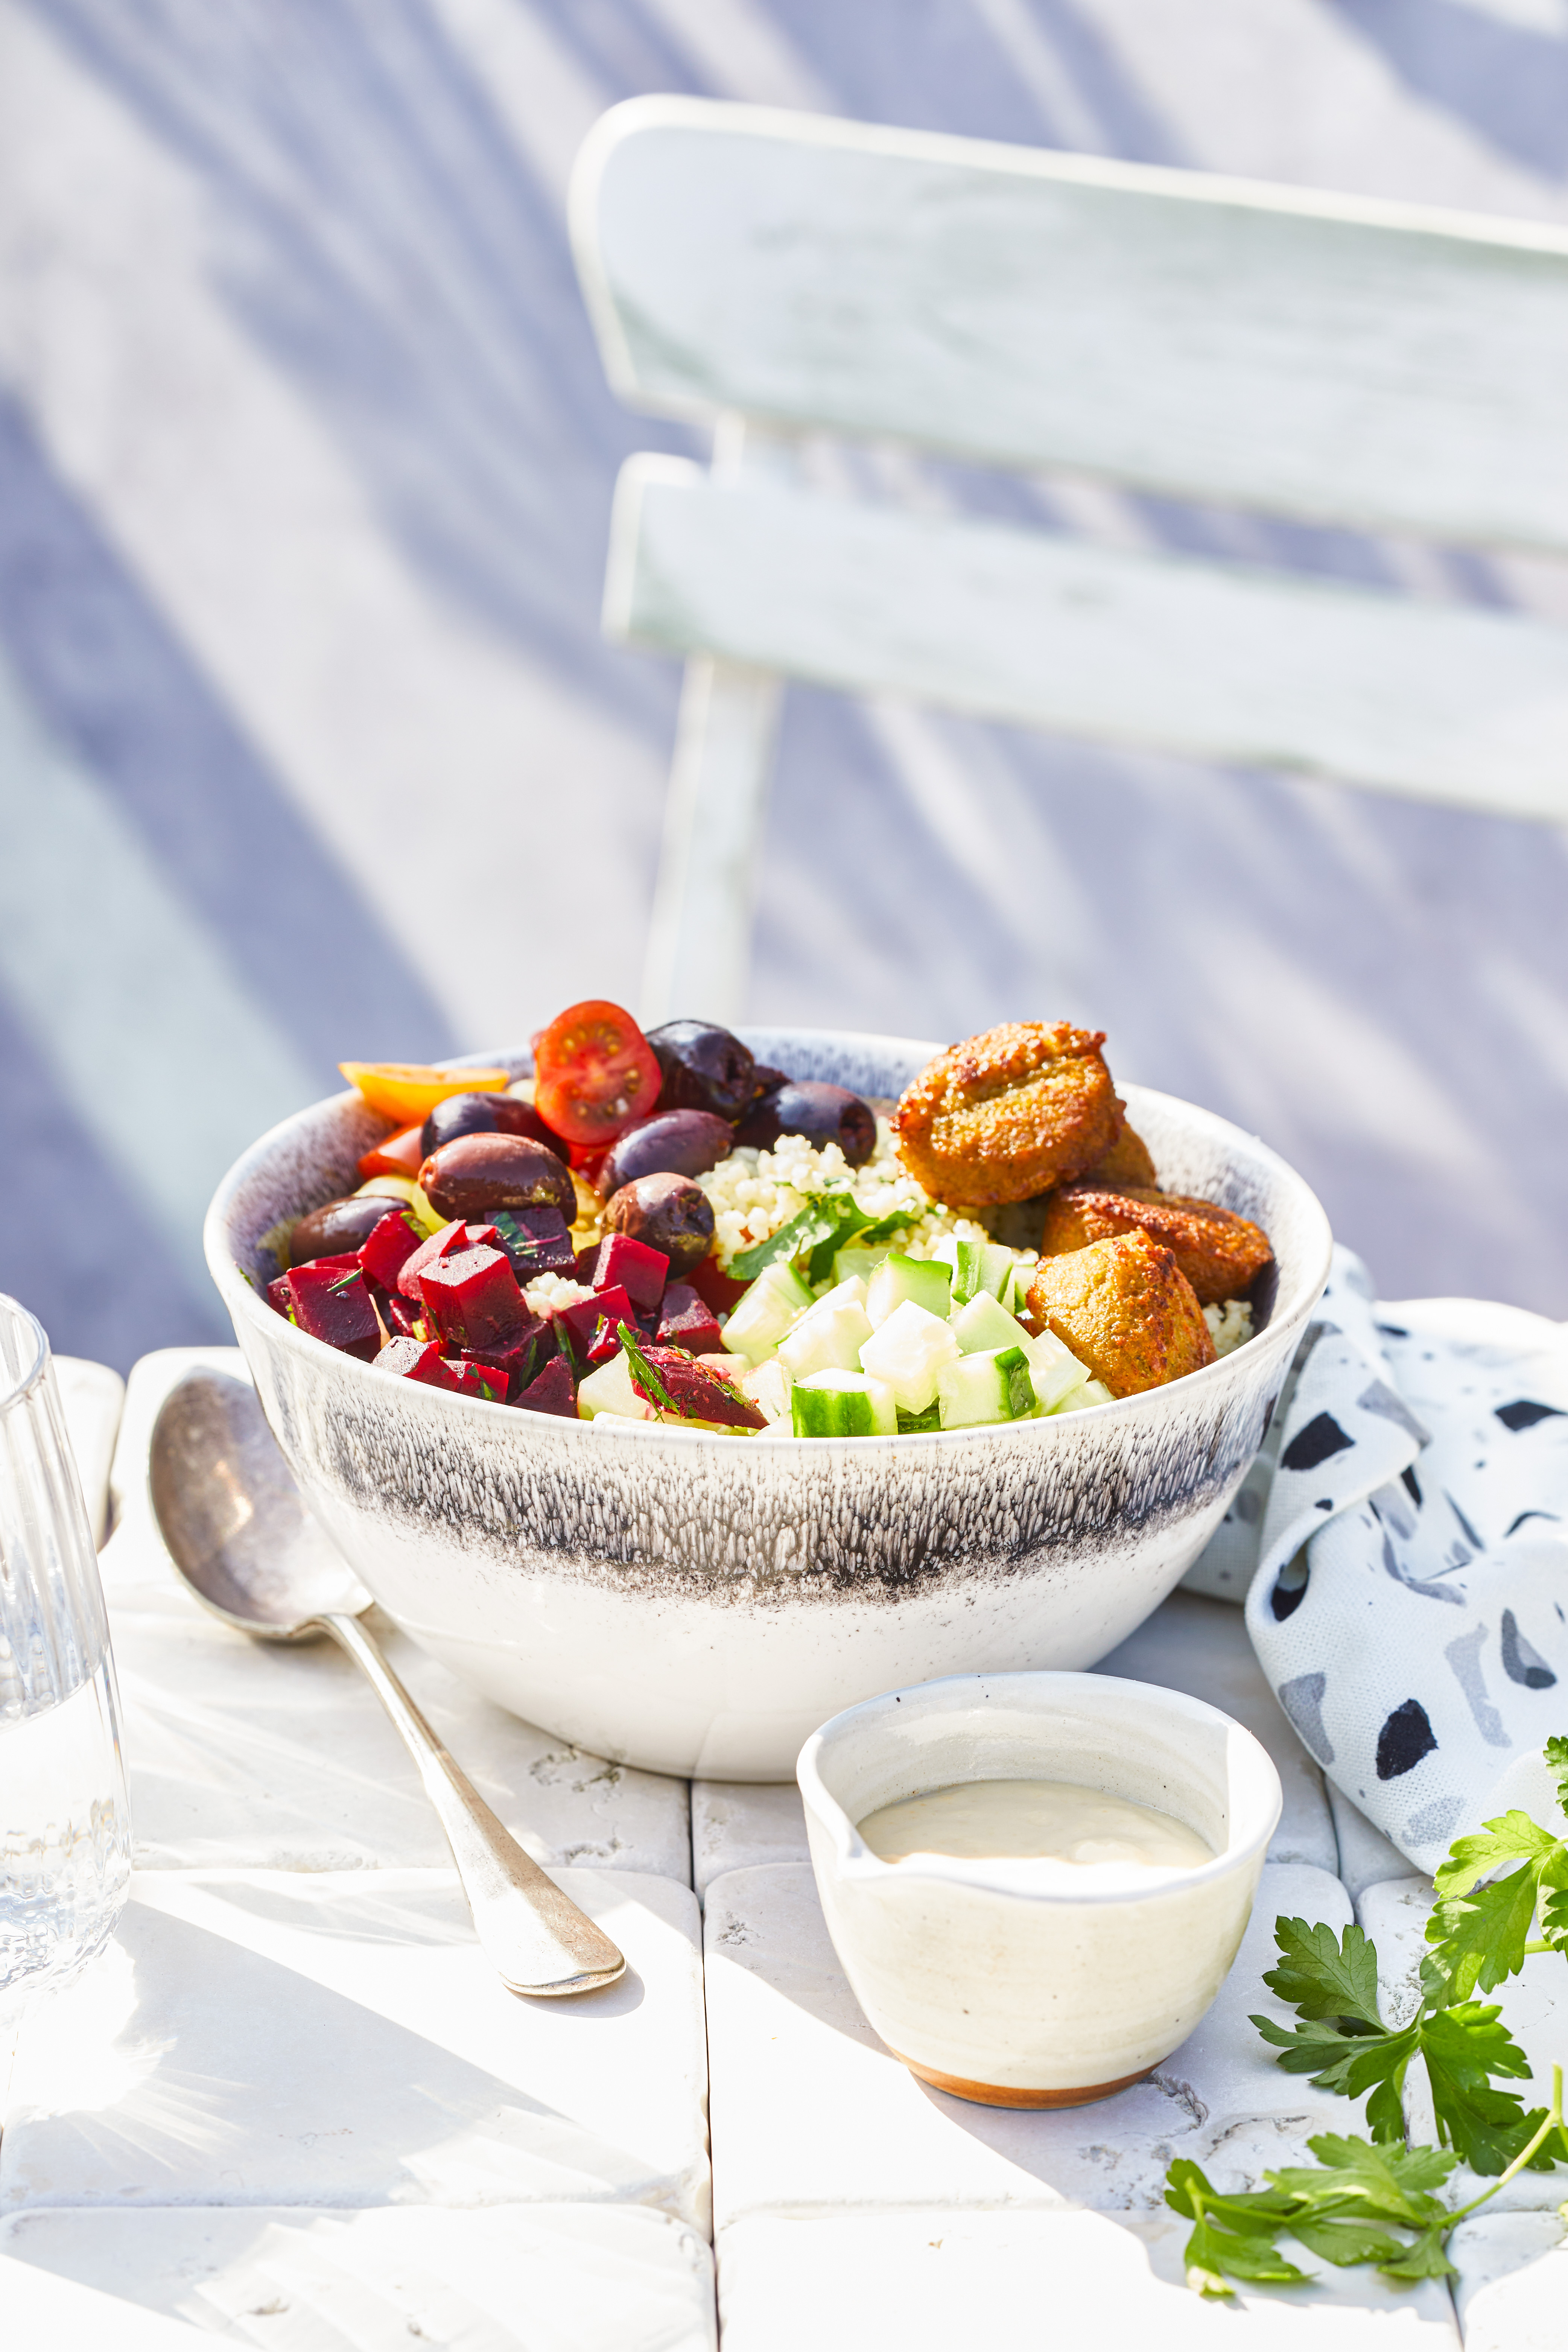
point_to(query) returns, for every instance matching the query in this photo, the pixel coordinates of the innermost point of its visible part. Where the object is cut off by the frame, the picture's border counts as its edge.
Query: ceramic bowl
(990, 1980)
(696, 1603)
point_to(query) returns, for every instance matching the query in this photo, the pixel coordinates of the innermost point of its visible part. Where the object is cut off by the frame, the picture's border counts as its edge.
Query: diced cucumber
(860, 1260)
(829, 1338)
(994, 1385)
(925, 1283)
(768, 1386)
(999, 1267)
(609, 1390)
(1088, 1392)
(1054, 1369)
(908, 1351)
(985, 1324)
(843, 1404)
(777, 1298)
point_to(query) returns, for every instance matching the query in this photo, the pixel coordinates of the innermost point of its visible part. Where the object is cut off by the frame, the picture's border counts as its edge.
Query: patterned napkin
(1402, 1544)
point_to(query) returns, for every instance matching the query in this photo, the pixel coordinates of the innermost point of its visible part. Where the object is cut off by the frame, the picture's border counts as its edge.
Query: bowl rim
(855, 1863)
(241, 1297)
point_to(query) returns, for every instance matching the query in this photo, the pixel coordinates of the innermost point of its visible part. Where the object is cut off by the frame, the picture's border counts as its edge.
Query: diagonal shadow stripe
(103, 670)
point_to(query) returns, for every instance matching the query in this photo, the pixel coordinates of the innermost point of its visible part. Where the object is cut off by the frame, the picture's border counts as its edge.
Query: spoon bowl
(237, 1531)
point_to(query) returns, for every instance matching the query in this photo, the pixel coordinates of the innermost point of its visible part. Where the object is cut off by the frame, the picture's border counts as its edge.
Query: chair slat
(1377, 366)
(1439, 702)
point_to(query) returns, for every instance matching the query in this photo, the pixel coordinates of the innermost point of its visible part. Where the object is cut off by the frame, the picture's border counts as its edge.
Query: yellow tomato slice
(406, 1091)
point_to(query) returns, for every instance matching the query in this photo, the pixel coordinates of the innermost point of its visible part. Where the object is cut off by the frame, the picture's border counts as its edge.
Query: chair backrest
(1361, 364)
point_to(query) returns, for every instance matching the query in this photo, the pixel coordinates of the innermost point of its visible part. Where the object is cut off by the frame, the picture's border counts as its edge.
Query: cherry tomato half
(594, 1073)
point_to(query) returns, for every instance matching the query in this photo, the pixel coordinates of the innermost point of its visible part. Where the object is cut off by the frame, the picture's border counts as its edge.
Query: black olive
(338, 1227)
(670, 1213)
(677, 1142)
(823, 1113)
(486, 1114)
(476, 1173)
(705, 1068)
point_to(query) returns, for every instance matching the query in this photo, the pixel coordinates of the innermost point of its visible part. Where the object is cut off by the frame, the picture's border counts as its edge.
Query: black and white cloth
(1408, 1523)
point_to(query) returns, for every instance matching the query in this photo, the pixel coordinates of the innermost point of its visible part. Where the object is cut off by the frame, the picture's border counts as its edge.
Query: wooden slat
(1378, 367)
(1439, 702)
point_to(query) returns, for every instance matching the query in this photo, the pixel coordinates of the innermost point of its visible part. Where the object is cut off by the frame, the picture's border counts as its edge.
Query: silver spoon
(239, 1532)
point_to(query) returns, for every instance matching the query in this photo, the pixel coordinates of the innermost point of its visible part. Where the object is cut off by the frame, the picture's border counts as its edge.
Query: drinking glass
(65, 1827)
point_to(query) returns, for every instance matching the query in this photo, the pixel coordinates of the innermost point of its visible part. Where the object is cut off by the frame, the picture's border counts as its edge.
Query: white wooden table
(292, 2106)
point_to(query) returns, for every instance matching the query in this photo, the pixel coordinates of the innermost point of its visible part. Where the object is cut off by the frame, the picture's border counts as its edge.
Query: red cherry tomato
(594, 1073)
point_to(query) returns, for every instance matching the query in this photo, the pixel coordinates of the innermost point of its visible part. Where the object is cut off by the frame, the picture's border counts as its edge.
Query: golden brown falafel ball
(1128, 1161)
(1219, 1253)
(1126, 1310)
(1008, 1114)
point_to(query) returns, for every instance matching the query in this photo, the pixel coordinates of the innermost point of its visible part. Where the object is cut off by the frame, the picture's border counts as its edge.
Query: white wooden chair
(777, 274)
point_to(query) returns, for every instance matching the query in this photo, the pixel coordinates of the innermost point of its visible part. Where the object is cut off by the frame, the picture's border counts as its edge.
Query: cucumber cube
(768, 1387)
(843, 1404)
(1053, 1367)
(829, 1336)
(1089, 1392)
(983, 1324)
(859, 1261)
(776, 1299)
(992, 1386)
(610, 1390)
(925, 1283)
(908, 1351)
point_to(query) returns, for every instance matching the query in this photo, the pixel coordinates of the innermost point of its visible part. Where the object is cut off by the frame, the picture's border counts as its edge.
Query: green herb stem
(1551, 2121)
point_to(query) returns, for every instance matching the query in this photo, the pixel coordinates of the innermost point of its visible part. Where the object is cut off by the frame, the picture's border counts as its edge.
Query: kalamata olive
(677, 1142)
(823, 1113)
(486, 1114)
(339, 1227)
(705, 1068)
(668, 1212)
(474, 1174)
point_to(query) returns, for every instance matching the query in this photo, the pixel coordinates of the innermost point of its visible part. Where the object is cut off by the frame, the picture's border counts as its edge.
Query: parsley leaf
(820, 1221)
(1556, 1753)
(1386, 2184)
(1322, 1975)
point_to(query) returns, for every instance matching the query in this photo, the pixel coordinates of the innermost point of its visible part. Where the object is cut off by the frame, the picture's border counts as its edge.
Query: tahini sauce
(1033, 1821)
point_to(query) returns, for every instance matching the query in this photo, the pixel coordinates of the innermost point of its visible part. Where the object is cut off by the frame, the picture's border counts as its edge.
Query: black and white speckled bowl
(696, 1603)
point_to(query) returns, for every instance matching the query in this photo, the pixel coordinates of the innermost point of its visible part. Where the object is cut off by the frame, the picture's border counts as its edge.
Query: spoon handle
(536, 1936)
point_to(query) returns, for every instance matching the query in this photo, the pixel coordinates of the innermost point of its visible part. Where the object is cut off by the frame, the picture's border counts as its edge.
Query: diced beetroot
(280, 1296)
(586, 1260)
(633, 1267)
(537, 1241)
(451, 1239)
(338, 1265)
(588, 1326)
(415, 1360)
(333, 1304)
(696, 1392)
(554, 1391)
(721, 1291)
(404, 1318)
(688, 1322)
(471, 1378)
(473, 1300)
(523, 1358)
(390, 1246)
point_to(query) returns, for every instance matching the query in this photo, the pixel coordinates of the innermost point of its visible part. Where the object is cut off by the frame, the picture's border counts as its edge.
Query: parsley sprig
(830, 1220)
(1375, 2200)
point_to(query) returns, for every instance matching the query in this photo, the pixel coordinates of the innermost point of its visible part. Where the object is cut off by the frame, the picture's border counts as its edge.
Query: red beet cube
(721, 1291)
(415, 1360)
(333, 1304)
(473, 1300)
(586, 1260)
(390, 1245)
(404, 1318)
(697, 1392)
(587, 1329)
(523, 1358)
(278, 1296)
(537, 1241)
(688, 1321)
(554, 1391)
(631, 1266)
(475, 1380)
(451, 1239)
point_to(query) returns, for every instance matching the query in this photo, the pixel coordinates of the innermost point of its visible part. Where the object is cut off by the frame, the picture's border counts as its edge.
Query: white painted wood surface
(1314, 355)
(1437, 702)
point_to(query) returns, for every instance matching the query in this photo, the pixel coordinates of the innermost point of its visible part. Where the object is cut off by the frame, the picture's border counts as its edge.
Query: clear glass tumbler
(65, 1826)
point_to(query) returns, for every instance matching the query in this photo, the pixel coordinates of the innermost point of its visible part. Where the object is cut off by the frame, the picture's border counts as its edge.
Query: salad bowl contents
(1036, 1882)
(676, 1442)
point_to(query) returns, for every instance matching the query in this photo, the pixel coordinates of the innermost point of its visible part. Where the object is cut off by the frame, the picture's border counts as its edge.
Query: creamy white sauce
(1052, 1821)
